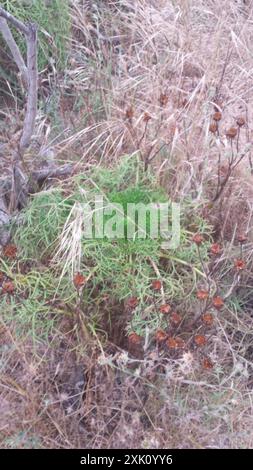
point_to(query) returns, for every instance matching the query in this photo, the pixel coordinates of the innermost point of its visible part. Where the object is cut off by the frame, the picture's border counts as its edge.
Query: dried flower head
(133, 338)
(165, 309)
(160, 336)
(215, 249)
(198, 238)
(231, 133)
(10, 251)
(146, 117)
(1, 276)
(180, 342)
(163, 99)
(218, 302)
(171, 343)
(242, 238)
(217, 116)
(200, 340)
(129, 114)
(202, 294)
(240, 121)
(79, 280)
(207, 363)
(175, 343)
(156, 285)
(175, 318)
(207, 318)
(8, 287)
(239, 264)
(223, 171)
(213, 127)
(132, 302)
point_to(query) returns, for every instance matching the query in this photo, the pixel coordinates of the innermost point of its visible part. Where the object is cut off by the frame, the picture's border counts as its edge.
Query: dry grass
(145, 77)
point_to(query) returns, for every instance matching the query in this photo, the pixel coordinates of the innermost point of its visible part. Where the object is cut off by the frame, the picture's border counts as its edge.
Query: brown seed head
(215, 249)
(160, 336)
(132, 302)
(165, 309)
(242, 238)
(8, 287)
(10, 251)
(171, 343)
(202, 294)
(129, 114)
(79, 280)
(198, 238)
(163, 99)
(239, 264)
(200, 340)
(146, 117)
(218, 302)
(207, 363)
(133, 338)
(175, 343)
(213, 127)
(175, 318)
(231, 133)
(217, 116)
(240, 121)
(180, 342)
(207, 318)
(156, 285)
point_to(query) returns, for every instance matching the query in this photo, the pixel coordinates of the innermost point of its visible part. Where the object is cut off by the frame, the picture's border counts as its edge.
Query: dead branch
(15, 190)
(39, 176)
(37, 179)
(4, 221)
(17, 23)
(31, 111)
(10, 41)
(19, 182)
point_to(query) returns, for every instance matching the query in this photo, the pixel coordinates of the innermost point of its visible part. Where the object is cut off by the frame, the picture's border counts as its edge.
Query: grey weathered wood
(4, 221)
(31, 110)
(39, 176)
(30, 71)
(17, 56)
(17, 23)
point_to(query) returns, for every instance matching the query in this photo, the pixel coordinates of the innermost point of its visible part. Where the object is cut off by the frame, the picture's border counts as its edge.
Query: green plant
(116, 269)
